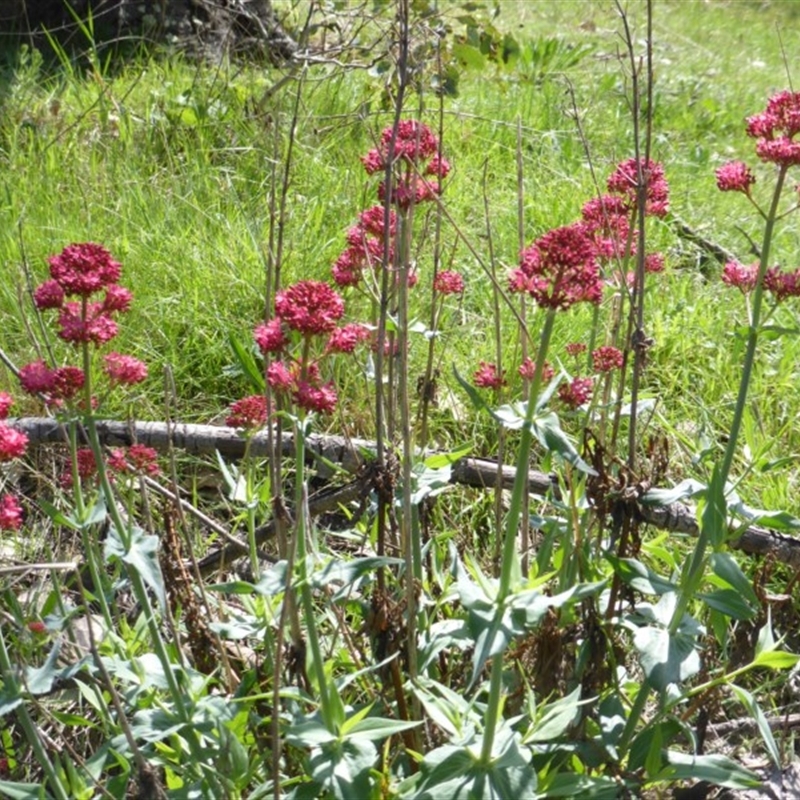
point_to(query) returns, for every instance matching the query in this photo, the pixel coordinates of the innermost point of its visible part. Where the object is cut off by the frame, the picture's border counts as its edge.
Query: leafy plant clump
(500, 582)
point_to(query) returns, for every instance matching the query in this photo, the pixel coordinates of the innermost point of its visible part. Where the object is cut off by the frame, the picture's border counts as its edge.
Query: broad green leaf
(376, 728)
(730, 603)
(429, 481)
(141, 555)
(346, 572)
(23, 791)
(154, 724)
(640, 577)
(469, 56)
(271, 582)
(310, 733)
(715, 769)
(556, 717)
(344, 768)
(234, 629)
(58, 517)
(547, 430)
(726, 567)
(753, 708)
(641, 748)
(714, 516)
(235, 481)
(766, 641)
(9, 700)
(666, 658)
(569, 785)
(775, 659)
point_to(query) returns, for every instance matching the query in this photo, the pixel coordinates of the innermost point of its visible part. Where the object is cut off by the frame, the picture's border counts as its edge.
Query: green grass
(168, 165)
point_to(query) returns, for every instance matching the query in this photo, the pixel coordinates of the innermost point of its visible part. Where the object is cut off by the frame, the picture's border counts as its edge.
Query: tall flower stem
(510, 563)
(696, 565)
(409, 530)
(306, 596)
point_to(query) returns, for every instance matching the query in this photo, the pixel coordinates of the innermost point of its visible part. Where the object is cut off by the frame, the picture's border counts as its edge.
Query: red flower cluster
(6, 401)
(607, 223)
(10, 513)
(414, 142)
(654, 262)
(448, 282)
(250, 413)
(307, 392)
(782, 284)
(309, 307)
(83, 270)
(269, 336)
(625, 180)
(775, 128)
(527, 369)
(575, 348)
(124, 370)
(742, 276)
(416, 149)
(560, 269)
(347, 338)
(137, 458)
(13, 443)
(576, 393)
(62, 383)
(365, 246)
(87, 467)
(606, 359)
(487, 376)
(735, 176)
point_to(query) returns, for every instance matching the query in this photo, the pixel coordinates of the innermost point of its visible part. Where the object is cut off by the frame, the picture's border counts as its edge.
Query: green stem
(306, 596)
(696, 567)
(510, 555)
(250, 501)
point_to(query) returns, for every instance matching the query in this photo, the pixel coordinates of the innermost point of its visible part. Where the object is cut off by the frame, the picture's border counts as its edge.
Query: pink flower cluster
(576, 393)
(487, 376)
(624, 182)
(10, 513)
(249, 413)
(83, 270)
(781, 284)
(311, 309)
(365, 246)
(137, 458)
(775, 128)
(527, 369)
(13, 444)
(415, 150)
(448, 282)
(87, 467)
(606, 359)
(607, 221)
(735, 176)
(560, 269)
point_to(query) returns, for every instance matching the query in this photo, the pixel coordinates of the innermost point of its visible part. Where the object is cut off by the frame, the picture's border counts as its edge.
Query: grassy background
(168, 164)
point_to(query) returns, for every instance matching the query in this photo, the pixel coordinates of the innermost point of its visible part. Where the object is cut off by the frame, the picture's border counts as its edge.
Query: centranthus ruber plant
(302, 336)
(775, 131)
(84, 294)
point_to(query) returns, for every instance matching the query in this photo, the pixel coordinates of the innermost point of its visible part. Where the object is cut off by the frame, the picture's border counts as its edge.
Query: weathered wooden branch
(337, 452)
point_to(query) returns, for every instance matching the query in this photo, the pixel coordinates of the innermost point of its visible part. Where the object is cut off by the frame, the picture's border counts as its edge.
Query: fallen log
(331, 452)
